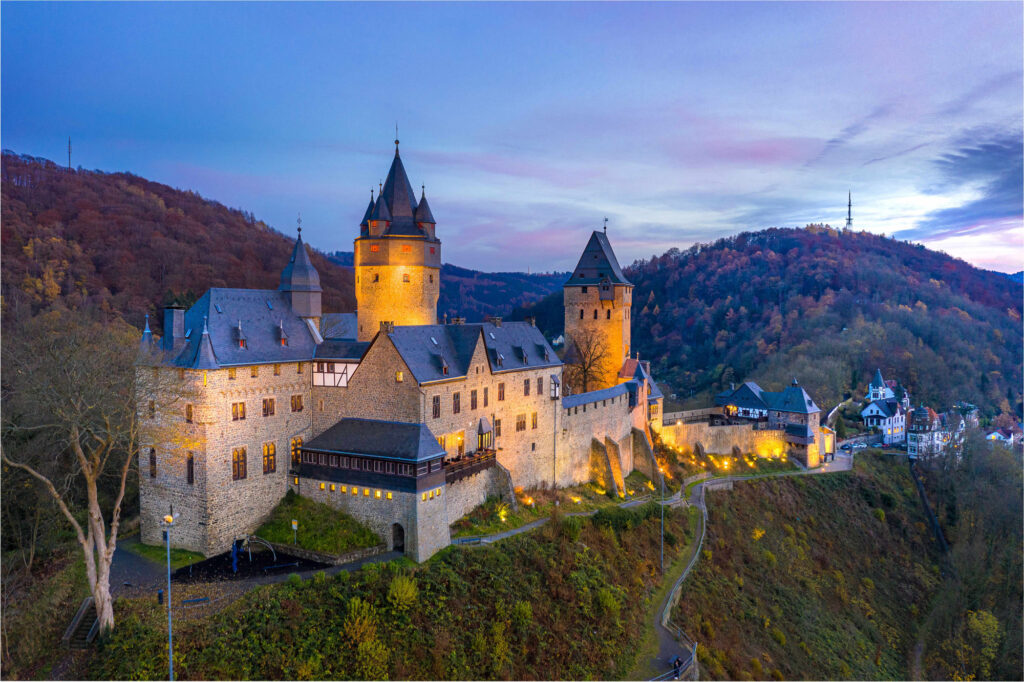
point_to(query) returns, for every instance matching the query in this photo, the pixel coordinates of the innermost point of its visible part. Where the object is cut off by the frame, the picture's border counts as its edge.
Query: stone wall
(606, 418)
(400, 282)
(330, 559)
(467, 494)
(722, 439)
(612, 324)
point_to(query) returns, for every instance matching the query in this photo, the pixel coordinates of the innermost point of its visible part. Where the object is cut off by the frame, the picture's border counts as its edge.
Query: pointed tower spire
(146, 344)
(300, 279)
(423, 214)
(205, 357)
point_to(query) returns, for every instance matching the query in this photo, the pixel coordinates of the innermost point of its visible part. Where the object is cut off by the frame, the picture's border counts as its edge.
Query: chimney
(496, 321)
(387, 327)
(532, 320)
(458, 320)
(174, 326)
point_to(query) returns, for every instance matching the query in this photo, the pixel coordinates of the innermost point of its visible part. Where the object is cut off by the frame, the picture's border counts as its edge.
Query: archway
(397, 537)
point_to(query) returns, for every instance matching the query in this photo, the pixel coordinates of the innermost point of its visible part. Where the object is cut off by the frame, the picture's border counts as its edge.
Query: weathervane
(299, 221)
(606, 225)
(396, 137)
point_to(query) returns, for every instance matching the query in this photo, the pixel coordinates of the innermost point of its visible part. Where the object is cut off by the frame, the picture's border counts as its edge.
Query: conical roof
(878, 381)
(380, 210)
(369, 212)
(398, 192)
(299, 274)
(423, 214)
(205, 357)
(598, 263)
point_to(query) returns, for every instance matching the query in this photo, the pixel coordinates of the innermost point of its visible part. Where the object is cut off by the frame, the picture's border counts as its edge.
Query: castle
(404, 423)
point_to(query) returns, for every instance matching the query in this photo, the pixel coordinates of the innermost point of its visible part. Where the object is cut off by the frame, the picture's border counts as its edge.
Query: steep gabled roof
(597, 264)
(427, 349)
(748, 396)
(377, 438)
(792, 399)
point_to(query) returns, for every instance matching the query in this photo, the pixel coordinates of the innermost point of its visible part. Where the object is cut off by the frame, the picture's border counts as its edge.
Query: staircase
(83, 628)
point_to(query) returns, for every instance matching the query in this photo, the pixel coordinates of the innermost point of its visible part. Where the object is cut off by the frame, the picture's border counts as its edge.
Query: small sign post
(295, 531)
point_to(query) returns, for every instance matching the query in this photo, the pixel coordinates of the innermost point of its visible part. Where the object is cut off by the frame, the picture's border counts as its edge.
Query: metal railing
(455, 470)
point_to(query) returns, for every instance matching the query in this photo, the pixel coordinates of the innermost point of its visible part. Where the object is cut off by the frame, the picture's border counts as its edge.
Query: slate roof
(878, 381)
(341, 349)
(400, 200)
(377, 438)
(888, 408)
(635, 369)
(423, 214)
(597, 264)
(792, 399)
(338, 325)
(595, 396)
(749, 396)
(799, 433)
(262, 312)
(299, 274)
(369, 212)
(426, 349)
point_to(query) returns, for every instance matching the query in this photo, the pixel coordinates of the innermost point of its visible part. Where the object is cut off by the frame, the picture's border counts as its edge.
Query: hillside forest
(826, 306)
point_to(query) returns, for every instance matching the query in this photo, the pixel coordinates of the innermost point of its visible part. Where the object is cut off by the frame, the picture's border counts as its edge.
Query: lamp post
(168, 523)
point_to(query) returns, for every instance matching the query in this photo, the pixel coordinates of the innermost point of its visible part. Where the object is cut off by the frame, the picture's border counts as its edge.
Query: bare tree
(586, 361)
(70, 421)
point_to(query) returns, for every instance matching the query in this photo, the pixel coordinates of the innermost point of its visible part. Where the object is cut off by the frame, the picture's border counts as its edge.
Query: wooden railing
(467, 465)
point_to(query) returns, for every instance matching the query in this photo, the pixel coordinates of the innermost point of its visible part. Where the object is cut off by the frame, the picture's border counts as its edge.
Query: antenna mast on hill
(849, 211)
(69, 153)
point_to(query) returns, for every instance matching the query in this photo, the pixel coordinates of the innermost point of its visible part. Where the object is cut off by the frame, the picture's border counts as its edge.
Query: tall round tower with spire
(397, 258)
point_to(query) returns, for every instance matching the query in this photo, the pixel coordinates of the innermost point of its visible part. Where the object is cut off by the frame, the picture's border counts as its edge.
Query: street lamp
(167, 523)
(661, 470)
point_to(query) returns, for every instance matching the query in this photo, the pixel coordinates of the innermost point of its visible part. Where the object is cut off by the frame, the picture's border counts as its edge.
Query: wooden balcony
(467, 465)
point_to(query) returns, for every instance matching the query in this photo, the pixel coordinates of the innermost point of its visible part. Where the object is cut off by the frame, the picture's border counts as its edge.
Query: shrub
(319, 578)
(501, 654)
(360, 625)
(372, 660)
(294, 579)
(522, 614)
(868, 583)
(757, 534)
(756, 668)
(572, 527)
(670, 538)
(779, 636)
(770, 559)
(777, 674)
(402, 593)
(608, 603)
(879, 514)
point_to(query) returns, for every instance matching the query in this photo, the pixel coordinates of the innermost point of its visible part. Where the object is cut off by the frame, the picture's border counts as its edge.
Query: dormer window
(281, 334)
(240, 335)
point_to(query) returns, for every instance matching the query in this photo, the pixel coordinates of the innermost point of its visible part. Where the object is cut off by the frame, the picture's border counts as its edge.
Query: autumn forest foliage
(827, 306)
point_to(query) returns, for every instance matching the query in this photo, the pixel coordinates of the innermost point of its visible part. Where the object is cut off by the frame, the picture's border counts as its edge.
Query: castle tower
(301, 281)
(397, 258)
(598, 299)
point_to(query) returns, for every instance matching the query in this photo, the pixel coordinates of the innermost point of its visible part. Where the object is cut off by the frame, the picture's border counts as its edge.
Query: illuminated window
(405, 278)
(231, 372)
(332, 488)
(376, 494)
(431, 249)
(298, 368)
(424, 497)
(374, 248)
(355, 491)
(344, 489)
(296, 449)
(268, 407)
(389, 496)
(296, 480)
(366, 492)
(237, 411)
(399, 376)
(254, 371)
(533, 420)
(269, 458)
(297, 403)
(238, 467)
(406, 248)
(322, 486)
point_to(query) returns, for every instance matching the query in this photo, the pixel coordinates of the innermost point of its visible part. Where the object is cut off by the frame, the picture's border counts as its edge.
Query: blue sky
(531, 122)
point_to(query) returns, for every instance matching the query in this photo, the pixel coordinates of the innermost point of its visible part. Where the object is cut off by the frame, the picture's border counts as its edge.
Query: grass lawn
(321, 528)
(158, 553)
(494, 516)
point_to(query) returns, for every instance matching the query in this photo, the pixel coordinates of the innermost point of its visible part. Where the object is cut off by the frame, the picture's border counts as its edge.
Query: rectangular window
(472, 399)
(238, 469)
(188, 413)
(237, 411)
(526, 387)
(269, 458)
(152, 409)
(277, 370)
(520, 422)
(497, 428)
(406, 248)
(297, 403)
(376, 494)
(296, 449)
(231, 372)
(181, 373)
(254, 371)
(431, 249)
(501, 391)
(399, 376)
(533, 420)
(190, 469)
(268, 407)
(152, 462)
(298, 368)
(405, 278)
(540, 385)
(374, 248)
(437, 406)
(456, 407)
(389, 496)
(485, 396)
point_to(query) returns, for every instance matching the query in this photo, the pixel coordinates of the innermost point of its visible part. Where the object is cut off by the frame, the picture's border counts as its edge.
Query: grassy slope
(321, 528)
(564, 602)
(832, 589)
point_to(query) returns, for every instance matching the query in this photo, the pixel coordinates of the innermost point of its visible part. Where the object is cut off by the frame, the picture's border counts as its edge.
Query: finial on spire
(206, 329)
(849, 211)
(146, 330)
(606, 225)
(423, 190)
(380, 187)
(299, 222)
(396, 137)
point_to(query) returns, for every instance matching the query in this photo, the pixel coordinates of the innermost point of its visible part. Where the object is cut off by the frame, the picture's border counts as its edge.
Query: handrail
(76, 621)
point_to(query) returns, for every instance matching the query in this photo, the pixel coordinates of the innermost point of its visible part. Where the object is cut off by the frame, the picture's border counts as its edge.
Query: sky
(529, 123)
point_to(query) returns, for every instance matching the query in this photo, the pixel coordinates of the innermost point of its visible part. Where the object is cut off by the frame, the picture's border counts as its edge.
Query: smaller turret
(364, 226)
(423, 217)
(300, 279)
